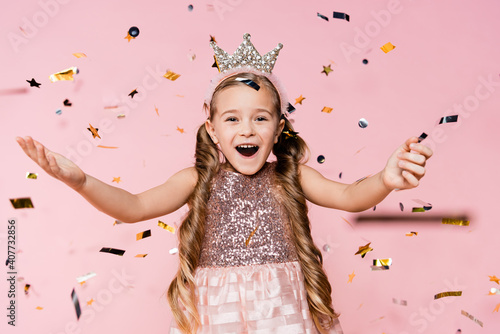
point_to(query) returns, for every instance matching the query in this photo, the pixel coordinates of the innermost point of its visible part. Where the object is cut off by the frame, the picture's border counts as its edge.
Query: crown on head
(245, 55)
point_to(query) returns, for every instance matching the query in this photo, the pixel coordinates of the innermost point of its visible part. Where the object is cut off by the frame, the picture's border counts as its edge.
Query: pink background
(446, 53)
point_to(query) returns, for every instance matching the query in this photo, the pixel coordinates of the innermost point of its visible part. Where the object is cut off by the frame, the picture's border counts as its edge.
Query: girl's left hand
(406, 166)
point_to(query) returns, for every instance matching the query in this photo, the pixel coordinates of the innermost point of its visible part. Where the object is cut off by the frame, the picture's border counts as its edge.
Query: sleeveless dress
(248, 278)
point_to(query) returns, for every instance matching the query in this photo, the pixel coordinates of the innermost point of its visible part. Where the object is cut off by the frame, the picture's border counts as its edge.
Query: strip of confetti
(381, 264)
(112, 251)
(80, 55)
(327, 110)
(143, 235)
(173, 251)
(249, 83)
(447, 294)
(32, 176)
(167, 227)
(64, 75)
(171, 75)
(22, 203)
(346, 221)
(290, 109)
(39, 308)
(459, 222)
(387, 47)
(342, 16)
(85, 277)
(251, 235)
(411, 234)
(399, 301)
(471, 317)
(102, 146)
(323, 17)
(417, 210)
(26, 288)
(422, 137)
(76, 303)
(141, 255)
(94, 131)
(364, 249)
(448, 119)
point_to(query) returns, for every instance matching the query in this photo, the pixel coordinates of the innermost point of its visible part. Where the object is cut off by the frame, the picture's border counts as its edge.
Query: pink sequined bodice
(246, 224)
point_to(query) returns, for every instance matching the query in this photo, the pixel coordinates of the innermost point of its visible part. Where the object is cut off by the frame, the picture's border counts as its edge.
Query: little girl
(248, 263)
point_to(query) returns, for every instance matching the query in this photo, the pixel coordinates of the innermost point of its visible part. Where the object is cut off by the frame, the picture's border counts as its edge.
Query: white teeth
(247, 146)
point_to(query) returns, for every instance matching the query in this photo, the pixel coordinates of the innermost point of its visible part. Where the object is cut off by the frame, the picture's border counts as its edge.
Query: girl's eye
(261, 119)
(231, 119)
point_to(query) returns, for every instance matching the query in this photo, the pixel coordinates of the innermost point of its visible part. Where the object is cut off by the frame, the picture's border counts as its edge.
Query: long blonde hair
(289, 153)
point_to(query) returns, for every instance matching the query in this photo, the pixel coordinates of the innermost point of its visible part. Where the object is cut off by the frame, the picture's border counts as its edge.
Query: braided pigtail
(191, 232)
(290, 151)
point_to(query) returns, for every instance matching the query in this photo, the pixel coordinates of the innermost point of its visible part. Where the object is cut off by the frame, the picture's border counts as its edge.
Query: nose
(246, 129)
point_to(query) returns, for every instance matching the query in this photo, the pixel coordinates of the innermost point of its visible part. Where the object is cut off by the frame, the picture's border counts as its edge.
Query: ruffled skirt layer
(268, 298)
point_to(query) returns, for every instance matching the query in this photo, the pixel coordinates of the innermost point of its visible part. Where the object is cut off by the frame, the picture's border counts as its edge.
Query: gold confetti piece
(116, 179)
(111, 107)
(39, 308)
(382, 262)
(471, 317)
(76, 303)
(64, 75)
(32, 176)
(21, 203)
(173, 251)
(80, 55)
(346, 221)
(143, 235)
(447, 294)
(299, 99)
(117, 222)
(180, 130)
(399, 301)
(411, 234)
(167, 227)
(115, 251)
(132, 93)
(171, 75)
(417, 210)
(497, 308)
(327, 69)
(120, 116)
(156, 109)
(129, 37)
(26, 288)
(327, 110)
(141, 255)
(90, 301)
(351, 277)
(387, 47)
(85, 277)
(102, 146)
(94, 131)
(251, 235)
(494, 279)
(459, 222)
(364, 249)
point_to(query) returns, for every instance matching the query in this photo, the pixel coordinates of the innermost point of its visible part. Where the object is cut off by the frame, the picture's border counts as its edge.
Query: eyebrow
(257, 109)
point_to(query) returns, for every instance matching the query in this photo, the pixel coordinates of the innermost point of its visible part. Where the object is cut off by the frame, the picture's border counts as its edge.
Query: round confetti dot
(363, 123)
(190, 8)
(321, 159)
(133, 31)
(59, 111)
(365, 61)
(326, 248)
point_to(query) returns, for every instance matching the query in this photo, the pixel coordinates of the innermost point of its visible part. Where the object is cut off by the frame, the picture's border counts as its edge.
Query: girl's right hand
(53, 163)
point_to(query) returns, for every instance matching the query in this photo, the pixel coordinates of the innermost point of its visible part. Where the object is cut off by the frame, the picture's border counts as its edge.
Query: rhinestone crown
(245, 55)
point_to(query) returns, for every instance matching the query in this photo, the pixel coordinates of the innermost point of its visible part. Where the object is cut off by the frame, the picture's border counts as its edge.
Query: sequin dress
(249, 279)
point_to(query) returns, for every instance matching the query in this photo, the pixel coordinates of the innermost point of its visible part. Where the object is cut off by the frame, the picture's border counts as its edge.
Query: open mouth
(247, 150)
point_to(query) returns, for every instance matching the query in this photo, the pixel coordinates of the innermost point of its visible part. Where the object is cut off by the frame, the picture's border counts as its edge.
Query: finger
(413, 168)
(53, 164)
(412, 180)
(413, 157)
(42, 159)
(420, 148)
(408, 142)
(31, 149)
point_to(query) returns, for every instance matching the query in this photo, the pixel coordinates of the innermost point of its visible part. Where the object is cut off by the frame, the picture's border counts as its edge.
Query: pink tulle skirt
(268, 298)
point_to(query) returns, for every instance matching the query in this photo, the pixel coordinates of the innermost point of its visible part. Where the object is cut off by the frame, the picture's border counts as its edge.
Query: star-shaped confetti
(497, 308)
(212, 39)
(327, 69)
(116, 179)
(364, 249)
(299, 99)
(132, 93)
(351, 276)
(94, 131)
(90, 301)
(33, 83)
(180, 130)
(494, 279)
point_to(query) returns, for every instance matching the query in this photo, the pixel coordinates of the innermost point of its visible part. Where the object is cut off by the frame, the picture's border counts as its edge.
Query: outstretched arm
(114, 201)
(404, 168)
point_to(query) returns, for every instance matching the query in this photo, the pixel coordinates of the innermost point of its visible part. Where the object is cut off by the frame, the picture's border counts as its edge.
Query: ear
(281, 125)
(211, 131)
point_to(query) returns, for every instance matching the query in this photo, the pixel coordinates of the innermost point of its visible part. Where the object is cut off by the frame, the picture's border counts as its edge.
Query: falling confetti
(112, 251)
(180, 130)
(132, 33)
(351, 276)
(417, 210)
(94, 131)
(251, 235)
(321, 159)
(64, 75)
(190, 8)
(494, 279)
(497, 308)
(290, 108)
(387, 47)
(167, 227)
(399, 301)
(401, 206)
(290, 133)
(26, 288)
(32, 176)
(22, 203)
(471, 317)
(67, 103)
(363, 123)
(90, 301)
(365, 61)
(156, 109)
(381, 264)
(76, 303)
(85, 277)
(299, 99)
(173, 251)
(247, 82)
(132, 93)
(364, 249)
(33, 83)
(459, 222)
(327, 110)
(342, 16)
(411, 234)
(80, 55)
(141, 255)
(447, 294)
(172, 76)
(327, 69)
(102, 146)
(39, 308)
(422, 137)
(323, 17)
(58, 112)
(116, 179)
(448, 119)
(326, 247)
(143, 235)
